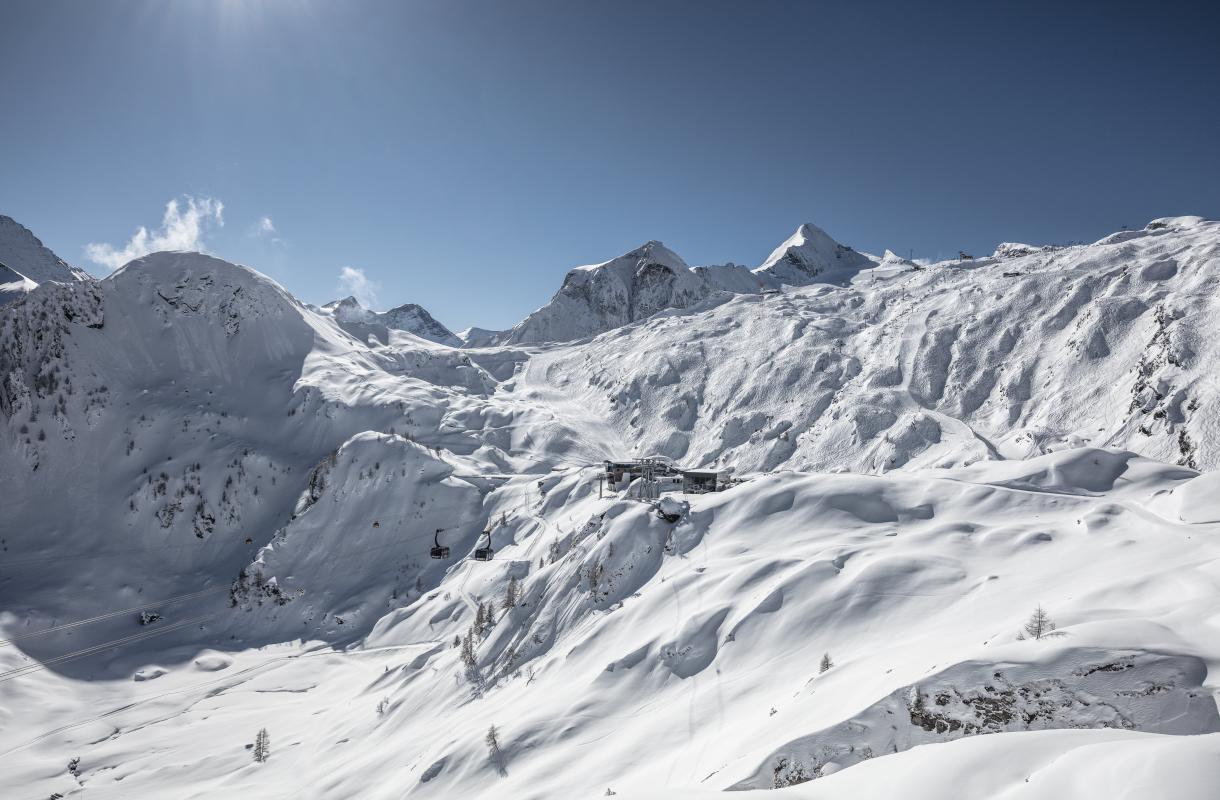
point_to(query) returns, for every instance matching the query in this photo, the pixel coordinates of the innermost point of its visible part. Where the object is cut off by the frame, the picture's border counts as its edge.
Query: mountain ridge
(652, 278)
(26, 262)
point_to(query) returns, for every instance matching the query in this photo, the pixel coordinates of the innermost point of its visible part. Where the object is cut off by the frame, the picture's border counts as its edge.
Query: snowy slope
(13, 285)
(1091, 765)
(923, 468)
(1111, 343)
(688, 652)
(26, 262)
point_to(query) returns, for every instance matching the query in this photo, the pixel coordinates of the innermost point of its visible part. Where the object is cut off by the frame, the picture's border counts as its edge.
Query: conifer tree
(262, 746)
(468, 654)
(512, 594)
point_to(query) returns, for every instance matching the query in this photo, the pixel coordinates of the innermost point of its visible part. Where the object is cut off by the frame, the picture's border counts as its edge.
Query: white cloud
(183, 227)
(353, 281)
(265, 229)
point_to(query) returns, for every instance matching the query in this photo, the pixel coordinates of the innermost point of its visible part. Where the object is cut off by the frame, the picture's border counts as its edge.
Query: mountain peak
(655, 252)
(24, 254)
(414, 318)
(349, 309)
(409, 317)
(811, 255)
(808, 230)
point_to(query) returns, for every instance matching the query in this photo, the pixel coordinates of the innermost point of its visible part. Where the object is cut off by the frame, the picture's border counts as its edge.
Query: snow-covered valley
(925, 456)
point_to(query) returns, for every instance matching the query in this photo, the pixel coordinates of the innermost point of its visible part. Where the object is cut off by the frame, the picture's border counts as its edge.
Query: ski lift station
(661, 475)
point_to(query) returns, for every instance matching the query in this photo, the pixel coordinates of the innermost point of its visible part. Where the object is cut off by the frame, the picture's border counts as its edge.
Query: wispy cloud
(353, 281)
(184, 226)
(265, 229)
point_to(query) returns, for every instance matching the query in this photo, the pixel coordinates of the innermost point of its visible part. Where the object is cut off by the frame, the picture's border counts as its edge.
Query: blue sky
(464, 155)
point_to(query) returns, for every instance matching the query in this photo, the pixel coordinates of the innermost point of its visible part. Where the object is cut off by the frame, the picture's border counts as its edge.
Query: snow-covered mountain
(25, 262)
(927, 454)
(1109, 344)
(601, 297)
(811, 255)
(409, 317)
(653, 278)
(22, 251)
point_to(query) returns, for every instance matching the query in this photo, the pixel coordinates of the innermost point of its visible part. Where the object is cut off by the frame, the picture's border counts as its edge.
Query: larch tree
(1038, 625)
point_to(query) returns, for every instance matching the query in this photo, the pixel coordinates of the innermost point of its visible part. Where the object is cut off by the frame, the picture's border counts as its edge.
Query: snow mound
(1065, 765)
(1198, 500)
(212, 661)
(150, 673)
(1066, 688)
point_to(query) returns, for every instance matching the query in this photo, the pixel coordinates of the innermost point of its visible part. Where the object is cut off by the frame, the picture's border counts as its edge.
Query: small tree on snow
(826, 663)
(262, 746)
(480, 619)
(1038, 626)
(493, 748)
(489, 614)
(512, 594)
(468, 655)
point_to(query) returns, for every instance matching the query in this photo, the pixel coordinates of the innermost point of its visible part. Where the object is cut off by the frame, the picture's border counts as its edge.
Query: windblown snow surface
(925, 455)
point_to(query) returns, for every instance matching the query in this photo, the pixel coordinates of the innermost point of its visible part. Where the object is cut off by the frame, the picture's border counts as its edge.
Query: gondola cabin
(438, 550)
(484, 553)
